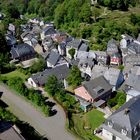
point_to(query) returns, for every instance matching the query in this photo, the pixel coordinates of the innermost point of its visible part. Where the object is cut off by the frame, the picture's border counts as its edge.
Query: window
(124, 132)
(110, 124)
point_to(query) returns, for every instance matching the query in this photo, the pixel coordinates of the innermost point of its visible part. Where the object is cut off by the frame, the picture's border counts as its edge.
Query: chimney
(126, 111)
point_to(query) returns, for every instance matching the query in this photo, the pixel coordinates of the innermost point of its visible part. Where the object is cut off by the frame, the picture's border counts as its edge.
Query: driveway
(51, 127)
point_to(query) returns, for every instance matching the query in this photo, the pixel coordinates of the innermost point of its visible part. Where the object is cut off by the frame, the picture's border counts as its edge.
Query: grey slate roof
(112, 75)
(138, 39)
(75, 43)
(86, 55)
(86, 62)
(7, 132)
(83, 47)
(97, 87)
(49, 30)
(53, 57)
(10, 39)
(112, 46)
(127, 37)
(21, 50)
(98, 71)
(61, 72)
(134, 47)
(127, 117)
(133, 59)
(133, 79)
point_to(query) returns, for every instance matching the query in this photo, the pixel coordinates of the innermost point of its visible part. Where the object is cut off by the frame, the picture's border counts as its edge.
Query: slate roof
(138, 39)
(48, 42)
(53, 57)
(112, 75)
(100, 53)
(112, 46)
(10, 39)
(133, 79)
(86, 62)
(133, 59)
(83, 47)
(86, 55)
(126, 117)
(49, 30)
(98, 71)
(134, 47)
(61, 72)
(75, 43)
(133, 92)
(97, 87)
(21, 50)
(127, 37)
(7, 132)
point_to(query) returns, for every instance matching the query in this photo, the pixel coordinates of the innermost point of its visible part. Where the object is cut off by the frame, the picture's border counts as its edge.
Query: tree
(74, 78)
(95, 13)
(85, 13)
(52, 85)
(38, 66)
(12, 11)
(72, 52)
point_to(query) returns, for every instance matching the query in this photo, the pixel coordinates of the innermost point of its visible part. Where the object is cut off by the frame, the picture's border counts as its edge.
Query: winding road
(51, 127)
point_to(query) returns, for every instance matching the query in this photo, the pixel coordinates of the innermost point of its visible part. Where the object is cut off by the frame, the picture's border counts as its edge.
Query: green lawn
(95, 118)
(84, 124)
(14, 74)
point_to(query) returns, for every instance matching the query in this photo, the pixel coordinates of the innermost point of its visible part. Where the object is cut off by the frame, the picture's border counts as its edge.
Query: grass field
(85, 124)
(14, 74)
(94, 118)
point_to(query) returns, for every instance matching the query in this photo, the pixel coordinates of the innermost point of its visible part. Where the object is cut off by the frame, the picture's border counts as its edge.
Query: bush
(118, 100)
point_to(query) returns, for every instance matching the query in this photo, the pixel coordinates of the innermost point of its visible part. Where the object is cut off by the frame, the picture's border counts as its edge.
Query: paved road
(51, 127)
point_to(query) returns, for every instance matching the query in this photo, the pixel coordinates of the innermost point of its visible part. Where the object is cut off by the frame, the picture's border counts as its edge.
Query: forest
(97, 23)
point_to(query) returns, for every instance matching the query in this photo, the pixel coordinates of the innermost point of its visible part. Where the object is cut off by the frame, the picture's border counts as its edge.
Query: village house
(47, 43)
(10, 39)
(132, 59)
(12, 28)
(132, 78)
(115, 59)
(52, 58)
(131, 94)
(75, 43)
(101, 57)
(22, 52)
(124, 124)
(62, 49)
(9, 131)
(130, 48)
(39, 79)
(94, 90)
(48, 31)
(60, 37)
(112, 75)
(138, 38)
(112, 47)
(86, 61)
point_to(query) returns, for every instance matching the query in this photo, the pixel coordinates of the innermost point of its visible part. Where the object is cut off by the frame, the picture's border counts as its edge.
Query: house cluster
(100, 70)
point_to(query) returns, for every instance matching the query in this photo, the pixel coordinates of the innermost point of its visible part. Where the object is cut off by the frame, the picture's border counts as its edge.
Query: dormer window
(124, 132)
(110, 124)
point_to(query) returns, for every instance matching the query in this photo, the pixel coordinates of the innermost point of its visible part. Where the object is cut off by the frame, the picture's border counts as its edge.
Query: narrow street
(51, 127)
